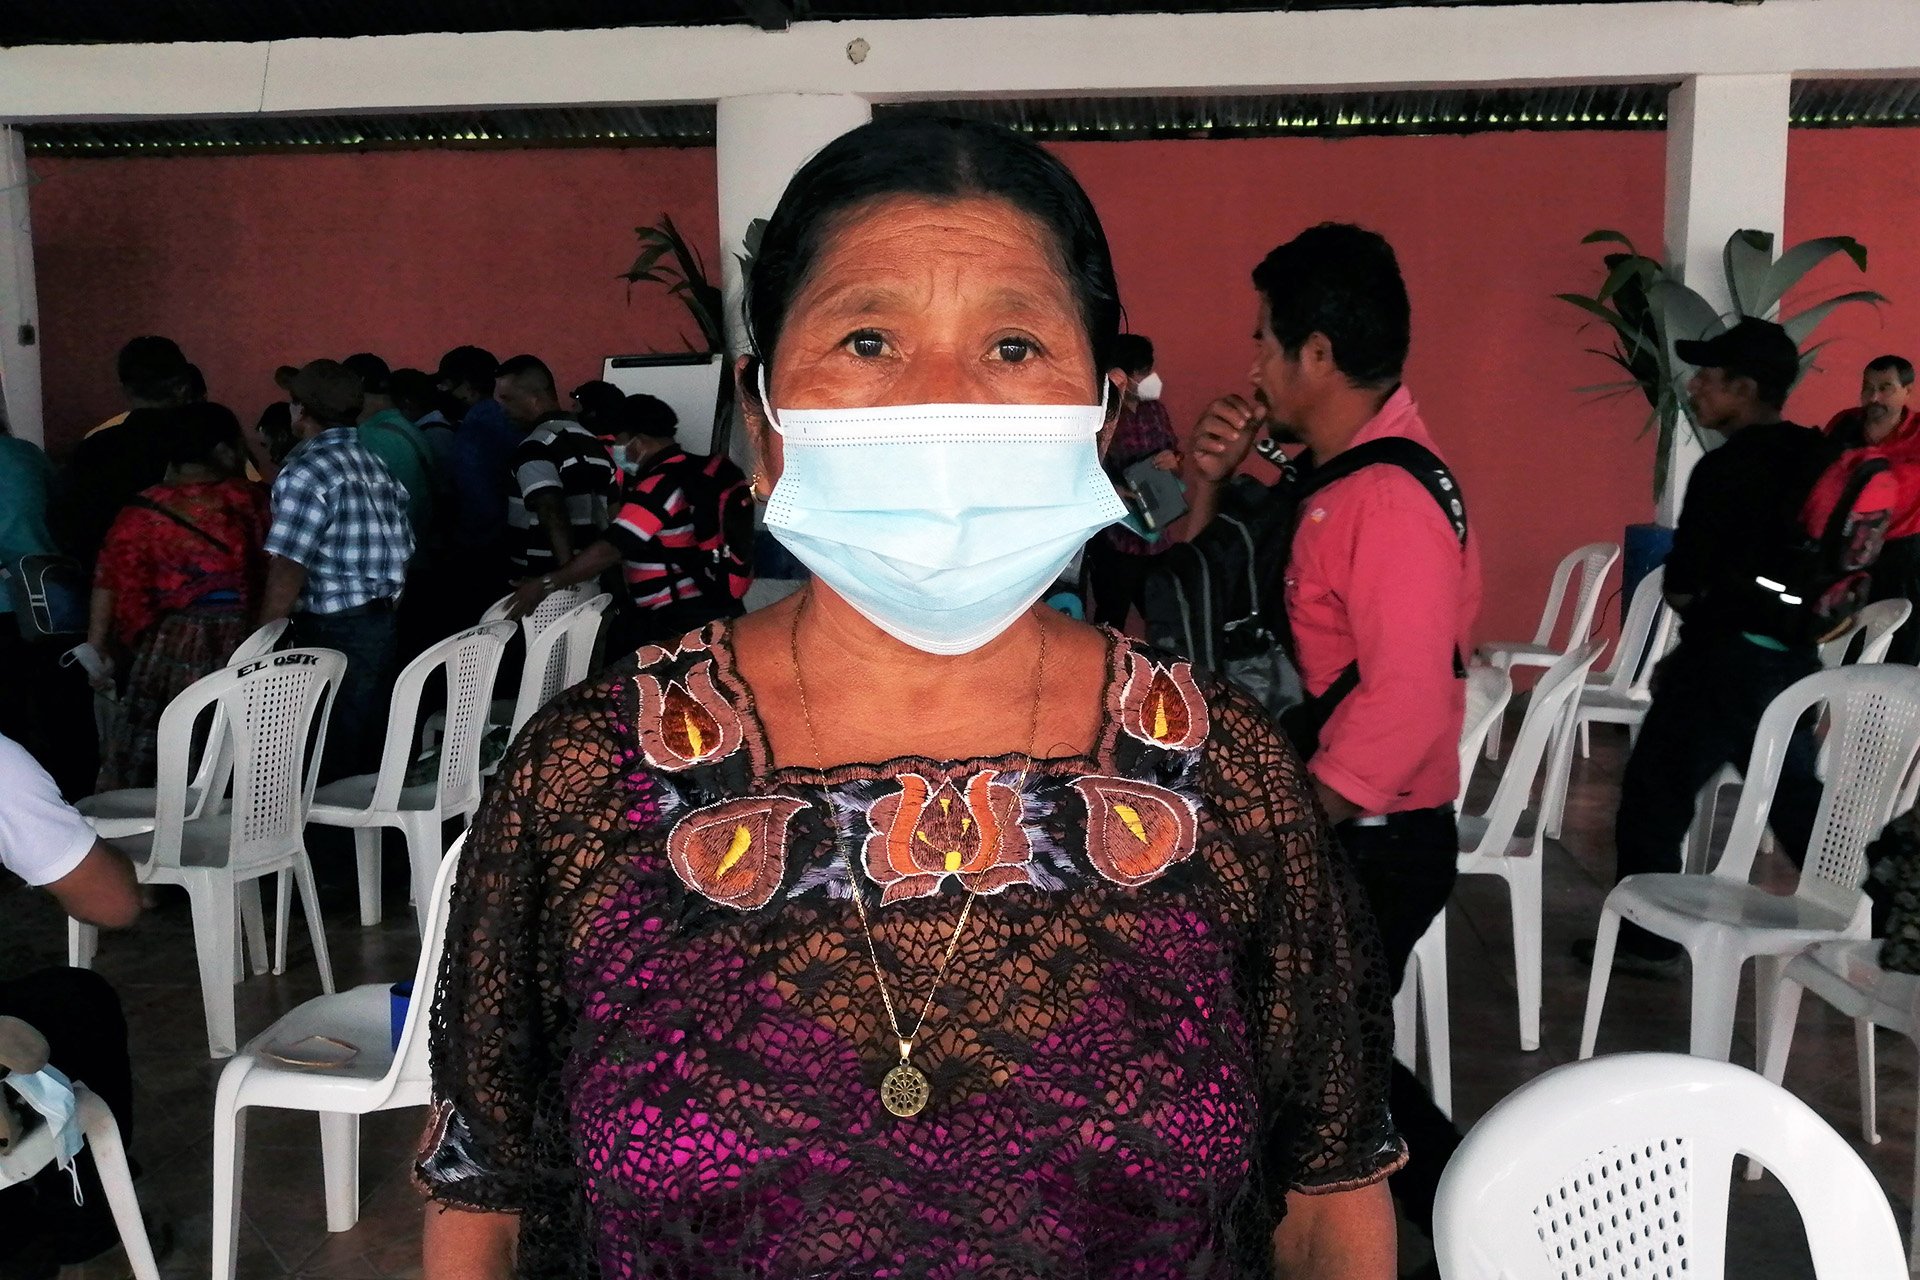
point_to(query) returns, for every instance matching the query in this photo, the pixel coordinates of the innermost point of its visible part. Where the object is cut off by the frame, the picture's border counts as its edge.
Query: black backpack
(1814, 585)
(1219, 599)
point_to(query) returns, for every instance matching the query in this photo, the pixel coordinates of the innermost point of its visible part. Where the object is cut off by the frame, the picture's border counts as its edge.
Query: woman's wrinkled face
(920, 301)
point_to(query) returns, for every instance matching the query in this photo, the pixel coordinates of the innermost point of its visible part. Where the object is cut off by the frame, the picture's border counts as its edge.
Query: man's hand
(527, 596)
(1166, 460)
(1222, 439)
(1338, 807)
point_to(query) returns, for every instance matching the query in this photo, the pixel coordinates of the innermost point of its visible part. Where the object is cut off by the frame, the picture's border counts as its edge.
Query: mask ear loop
(766, 401)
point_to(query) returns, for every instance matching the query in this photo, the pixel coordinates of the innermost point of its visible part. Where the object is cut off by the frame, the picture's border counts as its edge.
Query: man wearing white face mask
(1117, 557)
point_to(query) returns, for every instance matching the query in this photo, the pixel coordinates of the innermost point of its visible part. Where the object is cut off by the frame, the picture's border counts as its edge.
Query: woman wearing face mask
(1118, 558)
(903, 928)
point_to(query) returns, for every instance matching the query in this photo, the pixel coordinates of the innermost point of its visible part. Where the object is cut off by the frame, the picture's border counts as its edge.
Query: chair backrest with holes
(1549, 710)
(216, 761)
(583, 638)
(275, 709)
(1591, 562)
(1871, 743)
(550, 657)
(411, 1075)
(1618, 1168)
(1489, 689)
(469, 659)
(1874, 627)
(1643, 636)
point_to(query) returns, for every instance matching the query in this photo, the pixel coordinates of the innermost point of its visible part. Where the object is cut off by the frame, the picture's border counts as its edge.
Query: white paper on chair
(319, 1052)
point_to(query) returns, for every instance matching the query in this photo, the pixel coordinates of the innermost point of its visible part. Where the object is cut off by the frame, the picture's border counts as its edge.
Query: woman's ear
(760, 434)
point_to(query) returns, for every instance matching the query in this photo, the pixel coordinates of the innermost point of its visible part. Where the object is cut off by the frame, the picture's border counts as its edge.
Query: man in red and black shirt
(1886, 423)
(668, 532)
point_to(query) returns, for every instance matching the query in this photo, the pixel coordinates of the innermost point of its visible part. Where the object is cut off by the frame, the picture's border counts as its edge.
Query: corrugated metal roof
(1816, 103)
(148, 21)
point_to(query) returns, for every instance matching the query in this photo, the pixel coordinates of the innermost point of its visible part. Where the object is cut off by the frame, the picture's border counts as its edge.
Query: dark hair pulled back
(911, 155)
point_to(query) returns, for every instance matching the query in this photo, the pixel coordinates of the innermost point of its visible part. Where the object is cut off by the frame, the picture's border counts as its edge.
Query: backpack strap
(148, 504)
(1304, 722)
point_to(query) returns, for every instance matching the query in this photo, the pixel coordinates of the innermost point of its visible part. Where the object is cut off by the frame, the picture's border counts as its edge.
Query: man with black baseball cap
(1742, 510)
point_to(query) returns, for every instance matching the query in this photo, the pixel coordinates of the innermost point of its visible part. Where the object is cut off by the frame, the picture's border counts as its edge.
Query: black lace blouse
(657, 1036)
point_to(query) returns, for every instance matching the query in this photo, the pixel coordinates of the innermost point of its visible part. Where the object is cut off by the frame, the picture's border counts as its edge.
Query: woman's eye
(1014, 350)
(867, 344)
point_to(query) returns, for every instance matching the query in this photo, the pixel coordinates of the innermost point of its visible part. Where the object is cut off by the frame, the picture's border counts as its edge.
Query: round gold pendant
(904, 1092)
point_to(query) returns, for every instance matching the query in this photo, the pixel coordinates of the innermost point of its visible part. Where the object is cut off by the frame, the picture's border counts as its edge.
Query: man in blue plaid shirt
(340, 544)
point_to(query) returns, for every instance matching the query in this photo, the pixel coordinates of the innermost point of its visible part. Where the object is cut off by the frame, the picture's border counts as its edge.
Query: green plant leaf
(1594, 309)
(1682, 314)
(1796, 262)
(1800, 327)
(1609, 237)
(1747, 258)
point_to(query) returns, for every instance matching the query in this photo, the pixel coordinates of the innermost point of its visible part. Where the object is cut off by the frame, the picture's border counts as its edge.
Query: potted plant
(665, 258)
(1648, 309)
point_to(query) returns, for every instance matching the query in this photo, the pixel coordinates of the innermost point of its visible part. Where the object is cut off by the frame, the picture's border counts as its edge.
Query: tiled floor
(284, 1233)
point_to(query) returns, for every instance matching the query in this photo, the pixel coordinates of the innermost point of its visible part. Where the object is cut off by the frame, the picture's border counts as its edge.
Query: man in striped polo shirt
(563, 476)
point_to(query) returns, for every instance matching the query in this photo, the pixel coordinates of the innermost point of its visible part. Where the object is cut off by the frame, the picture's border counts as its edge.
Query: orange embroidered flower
(932, 829)
(1135, 830)
(1163, 705)
(686, 722)
(734, 852)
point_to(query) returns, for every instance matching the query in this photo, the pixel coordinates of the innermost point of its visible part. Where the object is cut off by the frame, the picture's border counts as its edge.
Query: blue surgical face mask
(49, 1092)
(940, 523)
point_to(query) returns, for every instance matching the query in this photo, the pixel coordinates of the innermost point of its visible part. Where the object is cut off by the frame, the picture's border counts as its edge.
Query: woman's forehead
(903, 242)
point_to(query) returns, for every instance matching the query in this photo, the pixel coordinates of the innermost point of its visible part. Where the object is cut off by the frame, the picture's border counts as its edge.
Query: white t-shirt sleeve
(42, 837)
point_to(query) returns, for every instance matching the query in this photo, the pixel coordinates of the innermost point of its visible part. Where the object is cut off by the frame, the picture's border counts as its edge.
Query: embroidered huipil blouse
(658, 1039)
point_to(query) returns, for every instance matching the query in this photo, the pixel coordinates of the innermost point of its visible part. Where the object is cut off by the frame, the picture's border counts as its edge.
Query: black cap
(1757, 349)
(373, 371)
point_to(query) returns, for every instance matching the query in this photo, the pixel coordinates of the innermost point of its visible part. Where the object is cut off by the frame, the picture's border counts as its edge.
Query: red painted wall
(1487, 229)
(1863, 183)
(250, 262)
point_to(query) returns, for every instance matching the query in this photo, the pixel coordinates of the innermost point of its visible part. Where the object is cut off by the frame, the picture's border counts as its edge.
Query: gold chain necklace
(905, 1091)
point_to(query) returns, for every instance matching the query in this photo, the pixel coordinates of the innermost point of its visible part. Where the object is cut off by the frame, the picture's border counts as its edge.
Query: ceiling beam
(1061, 56)
(768, 15)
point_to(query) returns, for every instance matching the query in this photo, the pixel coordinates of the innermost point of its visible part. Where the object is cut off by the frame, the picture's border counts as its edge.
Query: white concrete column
(761, 141)
(19, 305)
(1726, 172)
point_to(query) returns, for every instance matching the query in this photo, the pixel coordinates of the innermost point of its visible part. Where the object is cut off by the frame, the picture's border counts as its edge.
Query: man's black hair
(374, 373)
(1899, 366)
(528, 369)
(1132, 354)
(153, 368)
(1343, 282)
(471, 365)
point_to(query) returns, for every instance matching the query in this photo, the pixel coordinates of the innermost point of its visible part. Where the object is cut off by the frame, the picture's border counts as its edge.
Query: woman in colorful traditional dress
(905, 928)
(177, 583)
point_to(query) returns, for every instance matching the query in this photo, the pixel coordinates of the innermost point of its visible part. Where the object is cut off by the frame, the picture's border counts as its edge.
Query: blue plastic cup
(400, 995)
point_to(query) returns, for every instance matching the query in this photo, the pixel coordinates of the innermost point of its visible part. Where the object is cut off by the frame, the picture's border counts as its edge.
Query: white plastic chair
(1848, 976)
(559, 657)
(1620, 1168)
(381, 1077)
(1509, 839)
(372, 802)
(1873, 738)
(1422, 998)
(1622, 693)
(1593, 561)
(276, 711)
(35, 1152)
(130, 811)
(1877, 622)
(541, 616)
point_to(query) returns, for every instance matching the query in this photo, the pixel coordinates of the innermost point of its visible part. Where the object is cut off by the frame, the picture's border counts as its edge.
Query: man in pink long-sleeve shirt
(1382, 582)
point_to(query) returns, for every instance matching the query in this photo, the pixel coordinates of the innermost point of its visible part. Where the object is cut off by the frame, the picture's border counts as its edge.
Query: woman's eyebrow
(851, 301)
